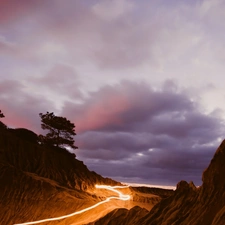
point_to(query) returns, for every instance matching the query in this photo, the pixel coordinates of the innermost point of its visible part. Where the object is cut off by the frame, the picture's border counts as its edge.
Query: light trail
(111, 188)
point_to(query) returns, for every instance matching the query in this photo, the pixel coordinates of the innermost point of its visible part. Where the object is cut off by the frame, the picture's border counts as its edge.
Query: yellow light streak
(111, 188)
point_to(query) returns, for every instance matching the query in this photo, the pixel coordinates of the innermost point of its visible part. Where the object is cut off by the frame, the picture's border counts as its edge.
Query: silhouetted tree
(2, 125)
(1, 114)
(61, 131)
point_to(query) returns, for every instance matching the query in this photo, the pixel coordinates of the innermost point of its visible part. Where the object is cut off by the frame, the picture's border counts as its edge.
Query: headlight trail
(111, 188)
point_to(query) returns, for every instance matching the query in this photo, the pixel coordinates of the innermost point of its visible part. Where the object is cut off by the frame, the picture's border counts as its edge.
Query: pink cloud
(105, 112)
(127, 106)
(11, 10)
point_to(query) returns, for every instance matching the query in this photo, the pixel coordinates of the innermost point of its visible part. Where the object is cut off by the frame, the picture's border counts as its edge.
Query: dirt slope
(37, 182)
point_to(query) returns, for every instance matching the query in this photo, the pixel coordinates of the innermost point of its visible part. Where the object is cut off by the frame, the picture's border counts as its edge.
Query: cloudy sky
(143, 81)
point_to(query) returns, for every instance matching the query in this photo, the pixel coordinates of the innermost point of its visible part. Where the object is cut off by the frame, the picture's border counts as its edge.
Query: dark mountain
(38, 182)
(162, 193)
(188, 205)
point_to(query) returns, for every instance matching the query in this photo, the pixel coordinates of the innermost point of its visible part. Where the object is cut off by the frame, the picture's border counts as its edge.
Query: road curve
(111, 188)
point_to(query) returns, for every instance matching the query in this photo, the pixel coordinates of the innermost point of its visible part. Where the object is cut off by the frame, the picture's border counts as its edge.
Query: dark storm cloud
(123, 143)
(166, 166)
(138, 131)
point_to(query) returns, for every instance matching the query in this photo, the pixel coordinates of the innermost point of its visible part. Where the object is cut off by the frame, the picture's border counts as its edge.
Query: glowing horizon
(149, 185)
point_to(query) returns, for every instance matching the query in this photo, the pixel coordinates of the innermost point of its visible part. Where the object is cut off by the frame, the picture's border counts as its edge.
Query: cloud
(61, 79)
(126, 105)
(56, 31)
(138, 131)
(12, 10)
(20, 107)
(70, 57)
(111, 10)
(6, 47)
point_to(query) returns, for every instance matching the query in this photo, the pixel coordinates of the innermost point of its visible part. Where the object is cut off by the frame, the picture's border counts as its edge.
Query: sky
(141, 80)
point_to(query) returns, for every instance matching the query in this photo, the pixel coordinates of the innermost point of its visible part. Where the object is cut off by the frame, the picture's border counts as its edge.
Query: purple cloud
(161, 132)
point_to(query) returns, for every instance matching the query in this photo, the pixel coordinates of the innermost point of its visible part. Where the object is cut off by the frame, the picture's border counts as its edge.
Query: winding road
(111, 188)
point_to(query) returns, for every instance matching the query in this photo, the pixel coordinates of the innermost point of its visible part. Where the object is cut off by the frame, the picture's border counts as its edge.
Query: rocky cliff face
(38, 182)
(189, 205)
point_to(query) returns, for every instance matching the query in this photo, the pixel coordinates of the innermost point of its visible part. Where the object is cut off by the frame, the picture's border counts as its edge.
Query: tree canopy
(61, 130)
(2, 125)
(1, 114)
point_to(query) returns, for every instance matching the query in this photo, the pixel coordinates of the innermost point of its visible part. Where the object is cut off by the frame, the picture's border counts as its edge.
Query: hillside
(38, 182)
